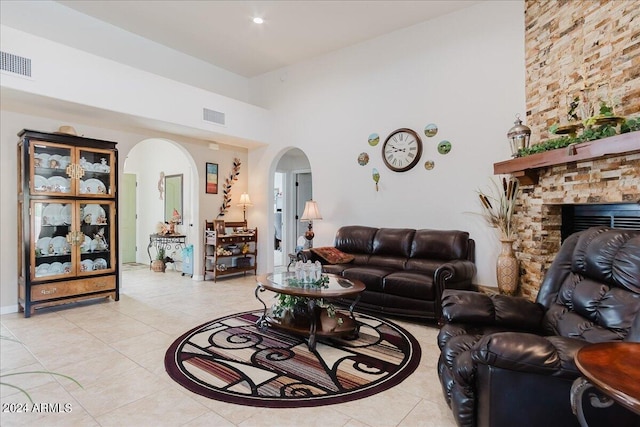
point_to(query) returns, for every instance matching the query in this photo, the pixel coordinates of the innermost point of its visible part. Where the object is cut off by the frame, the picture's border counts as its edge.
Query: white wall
(68, 74)
(463, 71)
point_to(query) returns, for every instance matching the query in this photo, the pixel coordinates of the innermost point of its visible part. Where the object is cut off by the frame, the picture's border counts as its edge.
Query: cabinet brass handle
(101, 285)
(49, 291)
(75, 171)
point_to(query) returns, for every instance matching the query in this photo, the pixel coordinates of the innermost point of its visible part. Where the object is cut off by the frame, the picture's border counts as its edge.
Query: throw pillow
(332, 255)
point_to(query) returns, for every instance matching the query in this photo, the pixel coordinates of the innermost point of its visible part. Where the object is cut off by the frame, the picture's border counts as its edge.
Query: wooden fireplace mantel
(526, 168)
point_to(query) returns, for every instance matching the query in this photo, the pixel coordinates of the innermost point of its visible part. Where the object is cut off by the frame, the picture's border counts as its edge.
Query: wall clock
(402, 150)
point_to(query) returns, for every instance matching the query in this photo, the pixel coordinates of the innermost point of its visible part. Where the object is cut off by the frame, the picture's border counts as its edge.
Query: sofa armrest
(454, 271)
(307, 255)
(498, 310)
(529, 353)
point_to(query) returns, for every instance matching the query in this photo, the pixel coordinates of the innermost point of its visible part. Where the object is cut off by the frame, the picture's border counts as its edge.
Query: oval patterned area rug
(230, 359)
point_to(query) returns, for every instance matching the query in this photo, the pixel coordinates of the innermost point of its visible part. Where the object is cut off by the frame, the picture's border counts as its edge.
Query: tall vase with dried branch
(498, 208)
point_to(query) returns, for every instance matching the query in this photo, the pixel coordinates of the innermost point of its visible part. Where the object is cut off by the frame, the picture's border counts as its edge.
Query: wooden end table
(316, 322)
(614, 369)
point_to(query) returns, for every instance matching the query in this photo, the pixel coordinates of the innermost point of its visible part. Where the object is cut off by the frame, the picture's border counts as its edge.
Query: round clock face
(402, 150)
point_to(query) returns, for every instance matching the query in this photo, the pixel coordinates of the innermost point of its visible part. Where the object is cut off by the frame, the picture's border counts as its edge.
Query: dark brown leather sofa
(404, 270)
(507, 361)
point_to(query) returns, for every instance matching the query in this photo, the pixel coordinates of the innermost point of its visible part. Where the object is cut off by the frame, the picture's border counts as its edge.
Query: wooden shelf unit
(526, 168)
(212, 262)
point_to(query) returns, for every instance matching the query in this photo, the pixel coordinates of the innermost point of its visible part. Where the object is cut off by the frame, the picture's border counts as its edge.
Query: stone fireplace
(605, 171)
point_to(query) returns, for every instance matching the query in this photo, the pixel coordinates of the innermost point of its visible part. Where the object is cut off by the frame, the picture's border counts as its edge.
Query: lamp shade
(311, 211)
(245, 200)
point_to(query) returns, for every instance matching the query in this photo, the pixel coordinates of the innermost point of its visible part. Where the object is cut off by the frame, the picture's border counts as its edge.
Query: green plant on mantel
(590, 133)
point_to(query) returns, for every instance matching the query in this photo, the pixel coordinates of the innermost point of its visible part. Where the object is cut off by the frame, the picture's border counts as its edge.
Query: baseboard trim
(9, 309)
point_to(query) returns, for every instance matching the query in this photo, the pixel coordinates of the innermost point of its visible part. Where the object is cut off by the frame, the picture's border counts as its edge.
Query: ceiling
(220, 33)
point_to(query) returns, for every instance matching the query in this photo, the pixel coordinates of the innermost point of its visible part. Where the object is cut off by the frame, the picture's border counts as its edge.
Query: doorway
(128, 218)
(292, 188)
(303, 193)
(150, 161)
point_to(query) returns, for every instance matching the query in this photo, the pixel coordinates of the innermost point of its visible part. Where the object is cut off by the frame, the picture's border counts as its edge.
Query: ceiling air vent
(15, 64)
(213, 116)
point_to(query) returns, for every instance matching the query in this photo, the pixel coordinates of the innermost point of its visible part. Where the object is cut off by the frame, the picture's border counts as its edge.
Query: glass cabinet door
(96, 233)
(51, 246)
(99, 176)
(48, 172)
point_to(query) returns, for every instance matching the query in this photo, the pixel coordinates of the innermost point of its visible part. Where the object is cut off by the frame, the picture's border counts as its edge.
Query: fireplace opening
(616, 215)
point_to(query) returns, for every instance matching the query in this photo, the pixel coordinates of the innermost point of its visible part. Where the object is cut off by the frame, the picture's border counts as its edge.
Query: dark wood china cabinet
(67, 219)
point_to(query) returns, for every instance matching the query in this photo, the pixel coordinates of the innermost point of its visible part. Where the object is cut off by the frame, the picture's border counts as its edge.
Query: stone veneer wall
(573, 44)
(605, 180)
(570, 45)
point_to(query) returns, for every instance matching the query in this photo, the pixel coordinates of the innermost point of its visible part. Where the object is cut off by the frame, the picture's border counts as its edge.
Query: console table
(167, 242)
(613, 368)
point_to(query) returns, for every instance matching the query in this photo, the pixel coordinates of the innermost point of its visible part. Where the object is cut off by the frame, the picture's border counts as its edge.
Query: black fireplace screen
(618, 215)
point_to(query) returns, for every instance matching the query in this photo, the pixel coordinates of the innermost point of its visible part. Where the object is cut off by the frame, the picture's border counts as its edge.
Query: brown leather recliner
(506, 361)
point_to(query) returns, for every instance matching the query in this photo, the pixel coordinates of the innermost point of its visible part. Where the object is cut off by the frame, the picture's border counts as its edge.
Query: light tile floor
(115, 350)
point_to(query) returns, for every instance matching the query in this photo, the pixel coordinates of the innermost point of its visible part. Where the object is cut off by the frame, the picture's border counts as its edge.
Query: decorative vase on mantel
(507, 269)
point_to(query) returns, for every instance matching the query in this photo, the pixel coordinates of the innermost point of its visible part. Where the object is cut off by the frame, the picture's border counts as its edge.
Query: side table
(614, 369)
(166, 242)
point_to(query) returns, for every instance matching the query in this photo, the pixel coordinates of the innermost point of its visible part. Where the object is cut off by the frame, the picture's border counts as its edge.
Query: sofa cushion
(355, 239)
(424, 266)
(393, 241)
(440, 244)
(332, 255)
(408, 284)
(336, 269)
(372, 277)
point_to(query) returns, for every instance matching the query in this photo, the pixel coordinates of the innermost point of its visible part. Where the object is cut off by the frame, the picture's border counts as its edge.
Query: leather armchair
(507, 361)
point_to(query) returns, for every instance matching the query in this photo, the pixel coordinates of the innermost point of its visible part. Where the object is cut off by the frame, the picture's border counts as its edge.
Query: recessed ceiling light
(258, 20)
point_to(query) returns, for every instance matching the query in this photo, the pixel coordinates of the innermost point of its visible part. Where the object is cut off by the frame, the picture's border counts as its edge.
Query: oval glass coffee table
(316, 320)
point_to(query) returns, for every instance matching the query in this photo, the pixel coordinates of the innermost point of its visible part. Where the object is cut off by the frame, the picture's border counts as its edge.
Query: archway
(289, 195)
(150, 161)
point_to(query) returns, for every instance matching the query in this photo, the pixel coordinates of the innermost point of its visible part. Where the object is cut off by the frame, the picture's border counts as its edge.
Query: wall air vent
(15, 64)
(213, 116)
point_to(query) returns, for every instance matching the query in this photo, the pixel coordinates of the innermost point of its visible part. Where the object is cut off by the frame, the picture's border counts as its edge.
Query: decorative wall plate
(363, 159)
(376, 177)
(374, 139)
(444, 147)
(431, 129)
(429, 164)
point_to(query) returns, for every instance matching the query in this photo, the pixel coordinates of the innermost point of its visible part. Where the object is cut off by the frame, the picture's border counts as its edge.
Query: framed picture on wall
(218, 225)
(212, 178)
